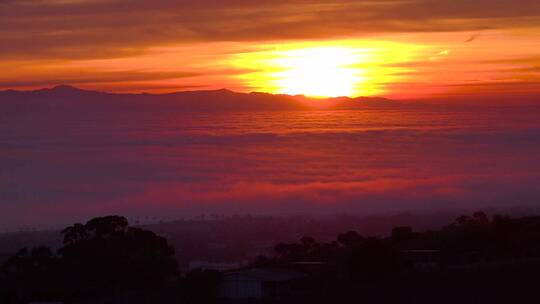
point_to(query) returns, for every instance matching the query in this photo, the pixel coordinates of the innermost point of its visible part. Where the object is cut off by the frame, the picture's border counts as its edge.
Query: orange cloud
(186, 44)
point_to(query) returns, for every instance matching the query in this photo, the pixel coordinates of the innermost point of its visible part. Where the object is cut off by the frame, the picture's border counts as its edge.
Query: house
(204, 265)
(258, 283)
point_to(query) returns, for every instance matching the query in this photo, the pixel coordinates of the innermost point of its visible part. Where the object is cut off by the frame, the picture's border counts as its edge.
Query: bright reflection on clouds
(327, 68)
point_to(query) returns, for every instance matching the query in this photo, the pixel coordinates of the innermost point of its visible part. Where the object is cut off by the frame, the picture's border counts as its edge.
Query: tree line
(106, 257)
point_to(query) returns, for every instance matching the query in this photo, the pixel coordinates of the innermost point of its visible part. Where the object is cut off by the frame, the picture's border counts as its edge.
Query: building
(258, 283)
(205, 265)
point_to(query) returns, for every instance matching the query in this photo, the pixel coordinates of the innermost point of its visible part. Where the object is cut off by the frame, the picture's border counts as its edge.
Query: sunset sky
(398, 49)
(67, 154)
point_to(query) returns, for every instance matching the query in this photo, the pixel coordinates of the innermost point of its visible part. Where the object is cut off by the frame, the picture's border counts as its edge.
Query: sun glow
(319, 72)
(325, 69)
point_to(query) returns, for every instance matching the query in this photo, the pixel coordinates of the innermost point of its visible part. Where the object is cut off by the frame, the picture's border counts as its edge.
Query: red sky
(398, 49)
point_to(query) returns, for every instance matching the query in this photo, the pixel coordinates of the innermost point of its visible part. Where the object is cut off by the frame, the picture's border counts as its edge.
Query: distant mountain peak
(66, 88)
(223, 90)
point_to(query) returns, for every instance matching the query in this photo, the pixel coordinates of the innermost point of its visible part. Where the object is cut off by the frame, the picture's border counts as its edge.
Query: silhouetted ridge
(62, 96)
(66, 88)
(346, 103)
(63, 90)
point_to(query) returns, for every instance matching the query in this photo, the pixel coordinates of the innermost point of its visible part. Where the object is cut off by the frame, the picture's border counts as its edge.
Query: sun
(323, 68)
(318, 72)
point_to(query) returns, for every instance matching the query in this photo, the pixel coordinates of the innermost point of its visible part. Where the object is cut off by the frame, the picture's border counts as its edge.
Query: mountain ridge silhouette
(197, 100)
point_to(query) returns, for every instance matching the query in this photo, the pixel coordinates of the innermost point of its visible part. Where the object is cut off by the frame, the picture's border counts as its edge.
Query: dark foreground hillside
(475, 259)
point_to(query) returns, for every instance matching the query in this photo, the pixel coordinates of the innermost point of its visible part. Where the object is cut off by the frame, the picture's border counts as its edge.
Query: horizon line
(472, 99)
(70, 86)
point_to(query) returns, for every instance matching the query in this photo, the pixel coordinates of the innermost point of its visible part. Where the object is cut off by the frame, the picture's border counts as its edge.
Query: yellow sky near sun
(326, 68)
(397, 66)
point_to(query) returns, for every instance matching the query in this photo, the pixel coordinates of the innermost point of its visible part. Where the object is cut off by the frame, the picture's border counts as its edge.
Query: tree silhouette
(105, 255)
(31, 274)
(99, 259)
(350, 239)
